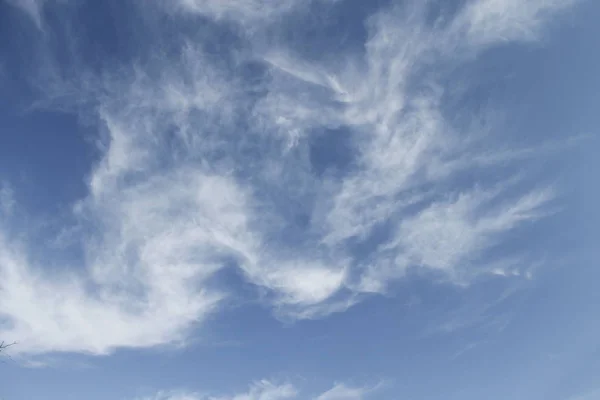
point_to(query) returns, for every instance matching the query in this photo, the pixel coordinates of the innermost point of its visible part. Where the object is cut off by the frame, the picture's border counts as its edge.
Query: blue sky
(299, 199)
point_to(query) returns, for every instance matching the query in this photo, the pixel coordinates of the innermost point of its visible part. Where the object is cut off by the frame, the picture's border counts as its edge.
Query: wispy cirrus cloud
(35, 9)
(244, 11)
(203, 169)
(252, 15)
(162, 224)
(408, 152)
(486, 22)
(451, 235)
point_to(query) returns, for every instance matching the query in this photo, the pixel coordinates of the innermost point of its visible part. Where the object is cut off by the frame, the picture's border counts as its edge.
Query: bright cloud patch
(206, 166)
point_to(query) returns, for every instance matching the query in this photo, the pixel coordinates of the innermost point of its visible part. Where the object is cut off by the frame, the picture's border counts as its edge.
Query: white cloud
(251, 14)
(450, 235)
(173, 396)
(488, 21)
(266, 390)
(246, 11)
(159, 233)
(58, 313)
(162, 225)
(342, 392)
(301, 282)
(184, 189)
(409, 151)
(261, 390)
(33, 8)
